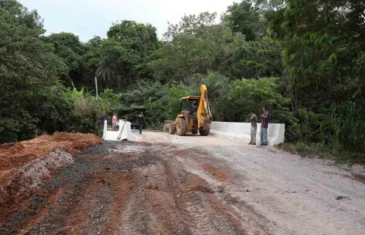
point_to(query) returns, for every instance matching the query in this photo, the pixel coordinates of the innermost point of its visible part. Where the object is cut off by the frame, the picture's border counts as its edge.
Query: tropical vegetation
(303, 58)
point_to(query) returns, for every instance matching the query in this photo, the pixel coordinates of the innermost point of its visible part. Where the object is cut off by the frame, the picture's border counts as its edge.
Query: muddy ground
(164, 184)
(127, 188)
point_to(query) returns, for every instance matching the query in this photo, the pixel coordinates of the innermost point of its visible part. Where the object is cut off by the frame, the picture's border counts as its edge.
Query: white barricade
(241, 130)
(113, 135)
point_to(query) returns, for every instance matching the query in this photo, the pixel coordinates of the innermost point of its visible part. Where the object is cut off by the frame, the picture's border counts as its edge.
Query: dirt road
(274, 192)
(165, 184)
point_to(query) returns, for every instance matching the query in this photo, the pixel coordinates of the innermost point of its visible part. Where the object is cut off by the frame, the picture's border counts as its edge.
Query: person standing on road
(102, 120)
(141, 122)
(114, 121)
(264, 126)
(253, 120)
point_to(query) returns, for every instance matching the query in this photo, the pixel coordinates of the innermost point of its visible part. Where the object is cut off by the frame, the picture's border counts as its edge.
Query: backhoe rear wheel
(181, 127)
(205, 132)
(172, 129)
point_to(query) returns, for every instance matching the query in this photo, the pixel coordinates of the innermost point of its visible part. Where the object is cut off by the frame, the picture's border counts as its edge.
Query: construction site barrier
(241, 130)
(113, 135)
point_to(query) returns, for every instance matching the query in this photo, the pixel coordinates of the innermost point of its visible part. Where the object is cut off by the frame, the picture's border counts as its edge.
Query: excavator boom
(203, 113)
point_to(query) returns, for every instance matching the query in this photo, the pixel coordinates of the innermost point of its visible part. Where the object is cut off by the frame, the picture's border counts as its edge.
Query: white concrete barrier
(241, 130)
(113, 135)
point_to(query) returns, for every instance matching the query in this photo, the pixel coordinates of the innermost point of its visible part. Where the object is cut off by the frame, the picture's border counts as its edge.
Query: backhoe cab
(194, 116)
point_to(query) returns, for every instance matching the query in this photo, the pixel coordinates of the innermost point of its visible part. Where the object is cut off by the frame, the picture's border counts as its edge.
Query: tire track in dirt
(186, 222)
(182, 219)
(193, 193)
(160, 199)
(122, 191)
(135, 218)
(76, 203)
(92, 215)
(90, 187)
(174, 201)
(153, 202)
(207, 219)
(237, 212)
(44, 212)
(145, 192)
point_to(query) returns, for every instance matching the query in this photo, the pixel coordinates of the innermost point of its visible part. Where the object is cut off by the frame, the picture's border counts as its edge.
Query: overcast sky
(88, 18)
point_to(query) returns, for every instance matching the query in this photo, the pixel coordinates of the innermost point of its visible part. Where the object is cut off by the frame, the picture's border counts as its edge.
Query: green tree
(137, 36)
(252, 94)
(139, 94)
(245, 18)
(113, 64)
(28, 71)
(139, 40)
(71, 50)
(197, 45)
(168, 105)
(194, 46)
(116, 66)
(324, 59)
(119, 60)
(323, 46)
(254, 59)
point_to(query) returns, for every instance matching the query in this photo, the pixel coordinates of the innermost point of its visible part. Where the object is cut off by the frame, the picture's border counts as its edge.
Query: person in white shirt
(253, 120)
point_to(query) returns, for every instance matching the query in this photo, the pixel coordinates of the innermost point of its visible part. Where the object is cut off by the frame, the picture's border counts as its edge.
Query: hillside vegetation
(305, 59)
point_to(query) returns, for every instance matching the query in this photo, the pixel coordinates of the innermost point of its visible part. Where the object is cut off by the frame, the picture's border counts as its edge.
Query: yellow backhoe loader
(194, 117)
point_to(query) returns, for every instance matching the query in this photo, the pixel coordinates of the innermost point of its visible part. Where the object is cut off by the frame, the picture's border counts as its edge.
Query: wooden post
(96, 87)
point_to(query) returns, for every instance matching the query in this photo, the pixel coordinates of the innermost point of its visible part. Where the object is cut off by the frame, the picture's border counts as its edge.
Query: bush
(110, 102)
(352, 128)
(87, 110)
(155, 111)
(166, 107)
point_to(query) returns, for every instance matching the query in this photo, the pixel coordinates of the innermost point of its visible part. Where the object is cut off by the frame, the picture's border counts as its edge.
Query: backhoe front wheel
(205, 132)
(181, 127)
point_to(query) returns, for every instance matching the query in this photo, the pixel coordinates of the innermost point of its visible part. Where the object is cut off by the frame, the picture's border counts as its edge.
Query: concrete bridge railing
(240, 130)
(113, 135)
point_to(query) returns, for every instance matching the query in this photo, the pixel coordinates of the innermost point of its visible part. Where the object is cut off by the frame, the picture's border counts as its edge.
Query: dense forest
(303, 58)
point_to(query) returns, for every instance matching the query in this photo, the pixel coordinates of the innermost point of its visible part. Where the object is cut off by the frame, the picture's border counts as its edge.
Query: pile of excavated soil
(26, 180)
(15, 155)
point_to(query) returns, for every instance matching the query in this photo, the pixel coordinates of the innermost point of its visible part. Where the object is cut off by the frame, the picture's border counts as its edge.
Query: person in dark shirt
(264, 126)
(102, 120)
(141, 122)
(192, 109)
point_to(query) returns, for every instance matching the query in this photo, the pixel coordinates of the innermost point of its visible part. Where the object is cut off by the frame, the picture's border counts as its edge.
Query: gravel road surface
(279, 192)
(163, 184)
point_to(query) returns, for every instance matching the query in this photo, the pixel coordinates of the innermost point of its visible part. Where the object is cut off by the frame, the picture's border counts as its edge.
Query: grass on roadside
(323, 151)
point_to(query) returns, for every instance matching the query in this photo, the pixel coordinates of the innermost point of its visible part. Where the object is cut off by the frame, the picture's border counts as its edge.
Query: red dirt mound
(15, 155)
